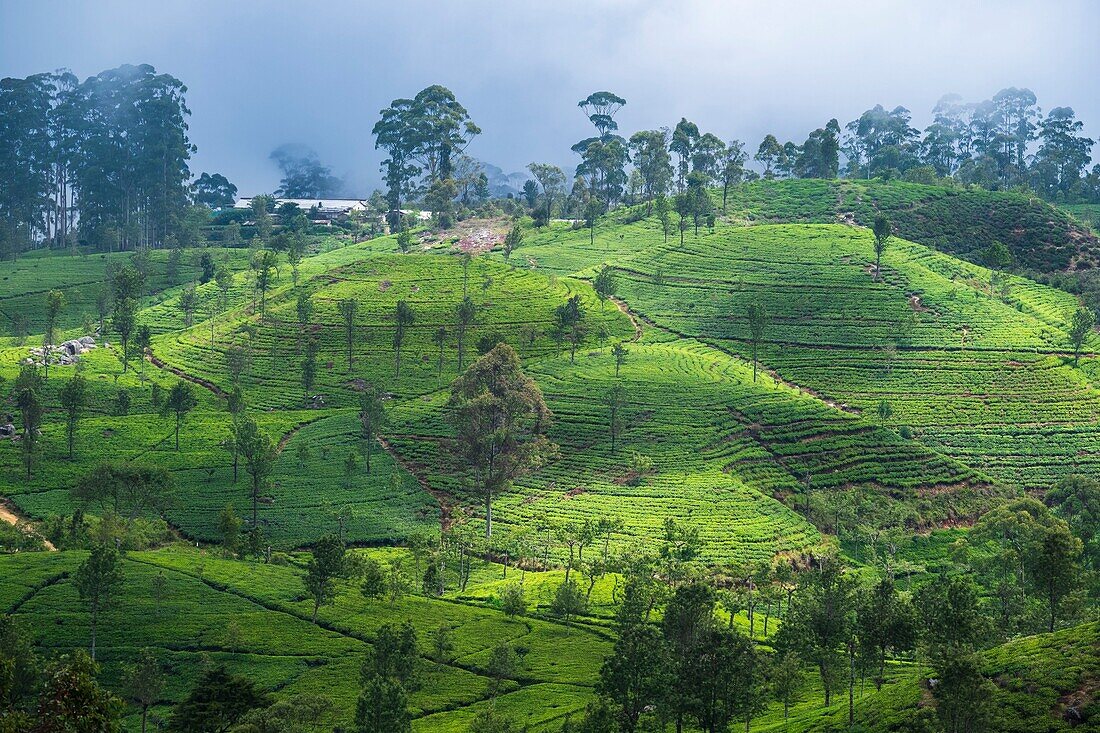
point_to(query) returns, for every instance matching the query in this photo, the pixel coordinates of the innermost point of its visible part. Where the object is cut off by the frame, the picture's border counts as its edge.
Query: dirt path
(204, 383)
(445, 501)
(12, 516)
(622, 306)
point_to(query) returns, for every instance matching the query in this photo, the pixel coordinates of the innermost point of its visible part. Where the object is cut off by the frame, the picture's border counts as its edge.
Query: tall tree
(687, 620)
(372, 419)
(28, 385)
(731, 167)
(465, 313)
(499, 418)
(259, 455)
(818, 624)
(683, 142)
(74, 398)
(55, 303)
(768, 155)
(128, 284)
(214, 191)
(1080, 327)
(635, 676)
(97, 580)
(264, 263)
(570, 323)
(649, 150)
(551, 180)
(325, 565)
(349, 309)
(403, 317)
(424, 134)
(1063, 152)
(757, 316)
(181, 400)
(882, 230)
(1053, 566)
(144, 683)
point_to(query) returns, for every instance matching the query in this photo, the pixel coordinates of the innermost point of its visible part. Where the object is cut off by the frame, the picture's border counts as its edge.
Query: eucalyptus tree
(882, 230)
(425, 134)
(500, 419)
(604, 157)
(349, 309)
(403, 317)
(757, 316)
(769, 154)
(372, 419)
(649, 150)
(551, 180)
(74, 400)
(684, 138)
(731, 167)
(55, 303)
(465, 313)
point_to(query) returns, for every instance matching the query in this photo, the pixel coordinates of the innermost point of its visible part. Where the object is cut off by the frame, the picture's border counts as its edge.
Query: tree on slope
(372, 418)
(465, 313)
(55, 303)
(97, 580)
(74, 398)
(145, 681)
(259, 455)
(216, 703)
(28, 385)
(1080, 327)
(349, 308)
(758, 323)
(181, 400)
(403, 317)
(499, 418)
(326, 564)
(882, 231)
(818, 624)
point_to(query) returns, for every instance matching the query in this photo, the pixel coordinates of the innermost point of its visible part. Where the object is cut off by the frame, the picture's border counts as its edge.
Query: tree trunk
(851, 683)
(488, 512)
(95, 619)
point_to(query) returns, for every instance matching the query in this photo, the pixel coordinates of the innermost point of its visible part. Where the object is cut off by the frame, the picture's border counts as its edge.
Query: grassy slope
(962, 222)
(982, 380)
(253, 619)
(1037, 678)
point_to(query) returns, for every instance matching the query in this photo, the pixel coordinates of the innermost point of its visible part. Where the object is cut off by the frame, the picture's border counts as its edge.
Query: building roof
(326, 205)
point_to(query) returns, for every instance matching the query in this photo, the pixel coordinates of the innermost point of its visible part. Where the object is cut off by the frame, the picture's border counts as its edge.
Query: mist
(261, 76)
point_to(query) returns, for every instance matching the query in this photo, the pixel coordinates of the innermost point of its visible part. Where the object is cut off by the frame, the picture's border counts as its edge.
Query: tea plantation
(933, 388)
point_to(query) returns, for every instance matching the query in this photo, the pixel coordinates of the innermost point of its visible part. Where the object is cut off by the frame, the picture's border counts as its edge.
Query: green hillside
(761, 471)
(959, 221)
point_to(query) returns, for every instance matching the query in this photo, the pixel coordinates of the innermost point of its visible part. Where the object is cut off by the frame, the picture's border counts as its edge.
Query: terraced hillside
(959, 221)
(257, 624)
(986, 380)
(985, 399)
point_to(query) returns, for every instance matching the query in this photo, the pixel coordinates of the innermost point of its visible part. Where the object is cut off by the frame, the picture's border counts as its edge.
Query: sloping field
(257, 624)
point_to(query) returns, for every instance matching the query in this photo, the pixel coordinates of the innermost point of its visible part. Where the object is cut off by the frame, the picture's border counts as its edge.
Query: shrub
(513, 601)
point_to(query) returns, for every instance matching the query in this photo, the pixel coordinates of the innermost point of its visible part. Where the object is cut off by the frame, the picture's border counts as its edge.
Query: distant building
(324, 211)
(316, 209)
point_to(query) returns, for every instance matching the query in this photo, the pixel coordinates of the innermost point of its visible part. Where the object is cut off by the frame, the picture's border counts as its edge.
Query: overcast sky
(260, 74)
